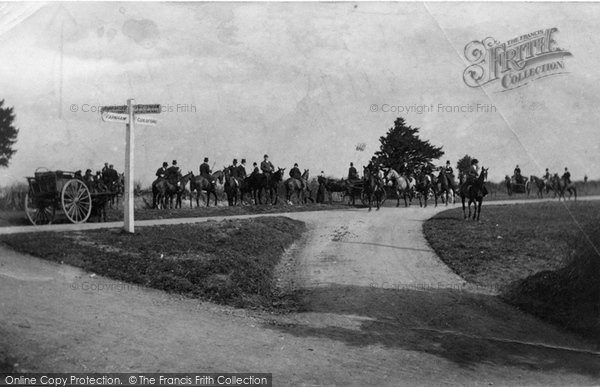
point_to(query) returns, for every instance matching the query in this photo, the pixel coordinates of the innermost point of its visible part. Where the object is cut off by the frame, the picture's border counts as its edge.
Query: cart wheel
(76, 201)
(38, 213)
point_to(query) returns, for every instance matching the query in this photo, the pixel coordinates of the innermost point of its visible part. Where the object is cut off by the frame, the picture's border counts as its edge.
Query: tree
(463, 165)
(8, 134)
(402, 143)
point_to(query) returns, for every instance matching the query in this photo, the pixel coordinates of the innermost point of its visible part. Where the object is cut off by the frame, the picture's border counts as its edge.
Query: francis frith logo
(516, 62)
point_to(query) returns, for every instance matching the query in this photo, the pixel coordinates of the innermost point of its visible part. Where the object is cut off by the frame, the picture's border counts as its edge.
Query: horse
(299, 187)
(401, 185)
(424, 187)
(201, 183)
(257, 182)
(163, 191)
(183, 180)
(539, 184)
(561, 185)
(372, 187)
(474, 191)
(446, 187)
(231, 187)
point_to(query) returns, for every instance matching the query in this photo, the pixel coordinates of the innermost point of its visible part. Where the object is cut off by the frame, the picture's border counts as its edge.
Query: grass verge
(538, 256)
(229, 262)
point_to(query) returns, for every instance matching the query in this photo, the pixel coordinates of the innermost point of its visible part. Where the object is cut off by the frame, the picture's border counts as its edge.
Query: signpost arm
(129, 152)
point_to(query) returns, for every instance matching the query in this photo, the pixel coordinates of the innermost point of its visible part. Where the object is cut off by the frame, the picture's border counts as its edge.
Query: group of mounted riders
(107, 180)
(548, 182)
(237, 180)
(406, 182)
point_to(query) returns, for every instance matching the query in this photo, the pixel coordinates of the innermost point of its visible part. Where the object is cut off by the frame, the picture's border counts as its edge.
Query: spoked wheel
(40, 212)
(76, 201)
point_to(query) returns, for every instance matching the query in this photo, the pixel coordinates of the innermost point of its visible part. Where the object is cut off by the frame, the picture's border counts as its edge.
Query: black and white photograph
(299, 193)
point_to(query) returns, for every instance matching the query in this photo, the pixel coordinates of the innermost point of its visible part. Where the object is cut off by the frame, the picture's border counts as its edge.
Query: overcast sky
(294, 80)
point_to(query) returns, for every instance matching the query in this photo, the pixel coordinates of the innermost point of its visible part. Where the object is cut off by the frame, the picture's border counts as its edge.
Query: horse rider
(404, 169)
(255, 169)
(162, 171)
(172, 175)
(547, 176)
(518, 177)
(267, 167)
(242, 170)
(352, 173)
(448, 169)
(566, 176)
(296, 174)
(205, 170)
(88, 178)
(472, 175)
(236, 172)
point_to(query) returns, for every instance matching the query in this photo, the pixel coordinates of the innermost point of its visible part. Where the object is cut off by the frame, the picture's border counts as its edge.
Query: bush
(13, 197)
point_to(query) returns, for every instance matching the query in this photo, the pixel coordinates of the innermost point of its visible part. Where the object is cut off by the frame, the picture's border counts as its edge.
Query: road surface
(381, 309)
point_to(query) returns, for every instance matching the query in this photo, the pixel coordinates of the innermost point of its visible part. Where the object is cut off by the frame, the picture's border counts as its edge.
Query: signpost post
(129, 115)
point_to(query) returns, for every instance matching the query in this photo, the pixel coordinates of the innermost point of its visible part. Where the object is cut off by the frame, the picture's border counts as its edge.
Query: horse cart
(356, 188)
(64, 191)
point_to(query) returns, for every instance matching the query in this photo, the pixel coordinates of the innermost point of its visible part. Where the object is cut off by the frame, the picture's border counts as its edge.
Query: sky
(302, 82)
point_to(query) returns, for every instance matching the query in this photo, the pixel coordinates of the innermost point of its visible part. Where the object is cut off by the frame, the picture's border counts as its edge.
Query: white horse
(402, 185)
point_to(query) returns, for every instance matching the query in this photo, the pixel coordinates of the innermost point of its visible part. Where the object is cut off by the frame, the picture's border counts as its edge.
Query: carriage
(514, 186)
(357, 187)
(64, 191)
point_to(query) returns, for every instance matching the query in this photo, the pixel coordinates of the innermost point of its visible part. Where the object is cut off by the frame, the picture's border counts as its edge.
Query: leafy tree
(8, 134)
(402, 143)
(464, 164)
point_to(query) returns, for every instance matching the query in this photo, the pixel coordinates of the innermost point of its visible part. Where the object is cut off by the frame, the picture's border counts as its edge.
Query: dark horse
(474, 191)
(446, 187)
(164, 191)
(201, 183)
(231, 187)
(424, 186)
(299, 187)
(267, 182)
(372, 188)
(539, 184)
(561, 185)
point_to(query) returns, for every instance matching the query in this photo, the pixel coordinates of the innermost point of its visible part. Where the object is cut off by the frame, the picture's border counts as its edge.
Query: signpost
(128, 114)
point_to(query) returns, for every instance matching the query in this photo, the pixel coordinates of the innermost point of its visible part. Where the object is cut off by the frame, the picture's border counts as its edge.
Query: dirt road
(381, 309)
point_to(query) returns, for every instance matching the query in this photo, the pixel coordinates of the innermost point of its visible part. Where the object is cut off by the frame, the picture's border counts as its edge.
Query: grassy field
(229, 262)
(541, 257)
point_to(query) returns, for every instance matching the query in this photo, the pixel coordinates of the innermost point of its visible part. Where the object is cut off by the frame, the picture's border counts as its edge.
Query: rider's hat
(295, 164)
(351, 164)
(174, 162)
(206, 159)
(266, 156)
(165, 164)
(235, 161)
(243, 161)
(448, 162)
(474, 161)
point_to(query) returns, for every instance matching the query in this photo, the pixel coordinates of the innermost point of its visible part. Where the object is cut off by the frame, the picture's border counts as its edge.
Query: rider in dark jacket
(161, 172)
(352, 173)
(205, 169)
(295, 172)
